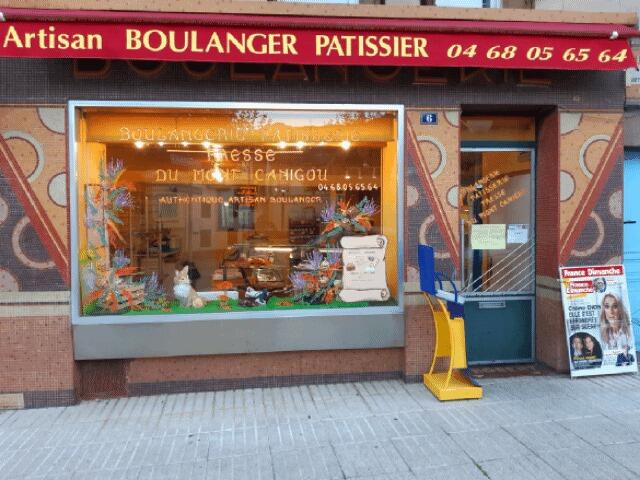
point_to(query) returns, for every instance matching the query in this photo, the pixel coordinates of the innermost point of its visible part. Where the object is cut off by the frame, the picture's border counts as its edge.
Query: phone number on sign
(347, 187)
(540, 54)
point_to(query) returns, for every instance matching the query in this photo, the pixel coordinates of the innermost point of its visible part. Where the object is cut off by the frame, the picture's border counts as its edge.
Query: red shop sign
(179, 42)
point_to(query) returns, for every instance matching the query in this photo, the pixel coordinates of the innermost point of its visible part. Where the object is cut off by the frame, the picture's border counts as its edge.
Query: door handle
(629, 222)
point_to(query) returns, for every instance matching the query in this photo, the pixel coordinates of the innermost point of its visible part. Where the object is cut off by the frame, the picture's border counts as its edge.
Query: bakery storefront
(223, 200)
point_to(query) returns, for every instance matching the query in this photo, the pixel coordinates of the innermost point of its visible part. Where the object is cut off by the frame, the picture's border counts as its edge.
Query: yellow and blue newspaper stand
(448, 317)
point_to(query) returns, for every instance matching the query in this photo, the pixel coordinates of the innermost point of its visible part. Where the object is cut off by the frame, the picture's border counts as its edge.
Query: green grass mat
(272, 304)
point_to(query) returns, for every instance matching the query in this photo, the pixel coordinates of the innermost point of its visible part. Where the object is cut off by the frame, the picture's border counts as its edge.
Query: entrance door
(498, 264)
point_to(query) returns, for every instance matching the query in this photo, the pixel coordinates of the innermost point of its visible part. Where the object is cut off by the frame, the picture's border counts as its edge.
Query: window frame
(74, 106)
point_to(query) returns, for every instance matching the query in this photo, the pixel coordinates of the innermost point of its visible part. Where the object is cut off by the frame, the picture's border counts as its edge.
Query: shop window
(211, 210)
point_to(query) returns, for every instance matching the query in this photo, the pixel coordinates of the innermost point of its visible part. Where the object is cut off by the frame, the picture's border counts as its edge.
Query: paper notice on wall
(517, 233)
(488, 237)
(364, 274)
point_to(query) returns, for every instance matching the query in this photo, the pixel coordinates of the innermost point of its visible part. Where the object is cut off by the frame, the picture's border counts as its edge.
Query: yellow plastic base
(459, 387)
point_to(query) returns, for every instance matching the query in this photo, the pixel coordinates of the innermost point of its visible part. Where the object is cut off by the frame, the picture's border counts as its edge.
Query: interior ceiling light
(345, 144)
(206, 144)
(290, 152)
(217, 174)
(322, 144)
(139, 144)
(161, 144)
(282, 145)
(300, 145)
(185, 144)
(274, 249)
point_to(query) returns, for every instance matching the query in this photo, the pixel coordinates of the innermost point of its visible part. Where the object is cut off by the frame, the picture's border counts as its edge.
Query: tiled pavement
(529, 428)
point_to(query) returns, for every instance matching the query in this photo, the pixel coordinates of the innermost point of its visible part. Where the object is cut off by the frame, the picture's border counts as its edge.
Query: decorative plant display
(111, 284)
(113, 289)
(106, 203)
(318, 277)
(316, 280)
(154, 297)
(343, 218)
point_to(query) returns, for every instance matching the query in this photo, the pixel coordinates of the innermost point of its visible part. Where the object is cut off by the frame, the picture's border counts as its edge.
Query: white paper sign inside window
(518, 233)
(364, 274)
(488, 237)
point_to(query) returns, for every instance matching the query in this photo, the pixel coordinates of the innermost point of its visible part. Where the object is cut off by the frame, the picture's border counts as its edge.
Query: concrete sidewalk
(547, 427)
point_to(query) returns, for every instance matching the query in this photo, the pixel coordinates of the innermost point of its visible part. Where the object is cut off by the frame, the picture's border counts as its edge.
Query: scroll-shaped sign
(364, 273)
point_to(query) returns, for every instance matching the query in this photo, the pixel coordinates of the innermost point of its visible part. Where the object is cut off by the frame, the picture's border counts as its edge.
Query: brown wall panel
(279, 364)
(419, 339)
(36, 354)
(551, 346)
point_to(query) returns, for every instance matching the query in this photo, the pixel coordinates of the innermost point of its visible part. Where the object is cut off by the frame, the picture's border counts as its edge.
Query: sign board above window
(414, 47)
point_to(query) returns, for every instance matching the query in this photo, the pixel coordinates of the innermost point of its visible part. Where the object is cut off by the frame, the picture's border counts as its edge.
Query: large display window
(220, 210)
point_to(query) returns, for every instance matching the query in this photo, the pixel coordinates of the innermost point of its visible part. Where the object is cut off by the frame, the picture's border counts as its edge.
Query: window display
(212, 210)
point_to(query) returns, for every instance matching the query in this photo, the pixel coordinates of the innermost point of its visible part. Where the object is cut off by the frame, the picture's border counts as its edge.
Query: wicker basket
(137, 296)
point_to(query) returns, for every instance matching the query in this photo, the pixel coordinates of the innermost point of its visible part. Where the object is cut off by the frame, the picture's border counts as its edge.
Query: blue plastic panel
(426, 263)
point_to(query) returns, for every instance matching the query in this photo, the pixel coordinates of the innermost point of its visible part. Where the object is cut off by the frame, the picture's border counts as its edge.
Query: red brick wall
(550, 339)
(102, 379)
(551, 347)
(36, 358)
(279, 364)
(419, 341)
(110, 378)
(547, 197)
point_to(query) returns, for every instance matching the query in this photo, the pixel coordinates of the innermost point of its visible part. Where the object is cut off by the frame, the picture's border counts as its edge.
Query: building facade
(631, 142)
(171, 224)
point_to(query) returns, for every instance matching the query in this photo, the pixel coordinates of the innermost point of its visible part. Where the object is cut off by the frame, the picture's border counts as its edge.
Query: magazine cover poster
(597, 320)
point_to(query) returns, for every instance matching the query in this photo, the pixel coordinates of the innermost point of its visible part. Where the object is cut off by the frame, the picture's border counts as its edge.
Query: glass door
(498, 253)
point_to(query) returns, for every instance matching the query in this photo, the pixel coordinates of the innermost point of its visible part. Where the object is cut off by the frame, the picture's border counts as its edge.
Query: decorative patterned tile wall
(35, 332)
